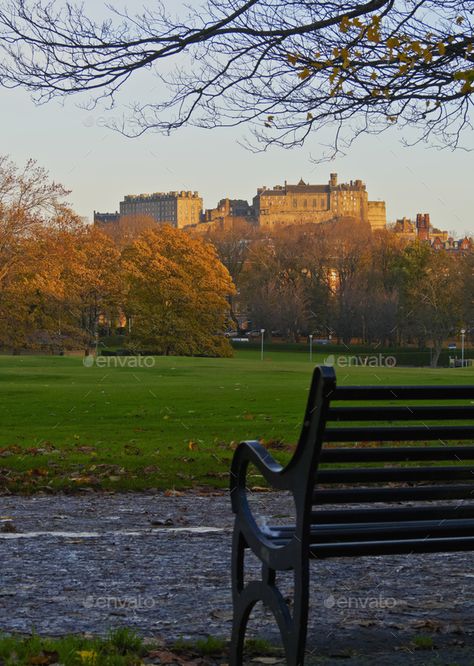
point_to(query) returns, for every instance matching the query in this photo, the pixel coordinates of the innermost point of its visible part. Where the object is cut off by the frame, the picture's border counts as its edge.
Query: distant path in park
(159, 564)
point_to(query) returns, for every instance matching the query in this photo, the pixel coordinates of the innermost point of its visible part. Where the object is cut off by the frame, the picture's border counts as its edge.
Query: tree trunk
(438, 347)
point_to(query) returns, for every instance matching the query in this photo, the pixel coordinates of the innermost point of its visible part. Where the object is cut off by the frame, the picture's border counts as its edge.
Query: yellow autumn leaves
(63, 283)
(177, 293)
(368, 55)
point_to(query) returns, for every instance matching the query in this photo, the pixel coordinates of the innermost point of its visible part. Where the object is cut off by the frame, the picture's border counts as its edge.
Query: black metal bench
(424, 506)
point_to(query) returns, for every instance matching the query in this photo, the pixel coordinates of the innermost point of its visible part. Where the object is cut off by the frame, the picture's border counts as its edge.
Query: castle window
(305, 203)
(315, 203)
(295, 203)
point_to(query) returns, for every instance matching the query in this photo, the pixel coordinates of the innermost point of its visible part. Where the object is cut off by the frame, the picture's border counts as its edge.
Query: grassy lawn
(173, 425)
(122, 647)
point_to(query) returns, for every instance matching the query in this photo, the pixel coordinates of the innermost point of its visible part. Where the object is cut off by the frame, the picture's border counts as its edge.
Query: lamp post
(463, 333)
(310, 348)
(262, 332)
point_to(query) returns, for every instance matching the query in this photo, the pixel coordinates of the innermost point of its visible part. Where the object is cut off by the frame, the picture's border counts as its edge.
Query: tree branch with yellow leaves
(285, 69)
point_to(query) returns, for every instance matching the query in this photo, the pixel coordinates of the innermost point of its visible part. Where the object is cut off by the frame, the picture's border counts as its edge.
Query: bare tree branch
(286, 69)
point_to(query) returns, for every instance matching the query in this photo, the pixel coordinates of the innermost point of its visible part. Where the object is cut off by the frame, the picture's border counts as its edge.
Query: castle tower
(423, 226)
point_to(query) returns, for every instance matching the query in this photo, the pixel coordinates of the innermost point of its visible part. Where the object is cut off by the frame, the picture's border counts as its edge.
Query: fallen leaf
(8, 526)
(164, 656)
(87, 656)
(222, 615)
(44, 658)
(431, 625)
(168, 522)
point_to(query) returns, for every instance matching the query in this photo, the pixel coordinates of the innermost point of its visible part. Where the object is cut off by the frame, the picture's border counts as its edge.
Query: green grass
(121, 648)
(423, 642)
(175, 425)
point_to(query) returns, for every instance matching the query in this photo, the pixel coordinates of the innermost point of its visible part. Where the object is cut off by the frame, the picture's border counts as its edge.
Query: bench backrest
(361, 454)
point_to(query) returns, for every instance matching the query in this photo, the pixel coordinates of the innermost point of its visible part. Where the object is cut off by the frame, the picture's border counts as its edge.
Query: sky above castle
(100, 166)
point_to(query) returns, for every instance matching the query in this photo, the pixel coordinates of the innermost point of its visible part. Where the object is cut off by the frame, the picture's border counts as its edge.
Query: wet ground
(159, 564)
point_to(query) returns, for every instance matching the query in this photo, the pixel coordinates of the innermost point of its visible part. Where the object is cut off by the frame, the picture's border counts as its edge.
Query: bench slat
(399, 434)
(406, 413)
(392, 547)
(421, 493)
(396, 453)
(402, 393)
(395, 474)
(423, 529)
(332, 516)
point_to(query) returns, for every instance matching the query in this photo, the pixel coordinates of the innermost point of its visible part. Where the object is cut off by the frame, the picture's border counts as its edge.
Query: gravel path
(161, 565)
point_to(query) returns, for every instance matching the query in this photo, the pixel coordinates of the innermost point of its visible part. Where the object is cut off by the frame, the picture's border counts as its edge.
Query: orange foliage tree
(177, 294)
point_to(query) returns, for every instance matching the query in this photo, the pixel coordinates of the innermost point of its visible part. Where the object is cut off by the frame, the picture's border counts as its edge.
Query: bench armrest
(253, 452)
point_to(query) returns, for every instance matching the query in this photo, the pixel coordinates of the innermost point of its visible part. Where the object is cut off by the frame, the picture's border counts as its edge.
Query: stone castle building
(227, 208)
(283, 205)
(286, 205)
(179, 209)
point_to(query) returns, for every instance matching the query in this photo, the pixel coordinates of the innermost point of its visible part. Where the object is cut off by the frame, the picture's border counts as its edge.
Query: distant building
(461, 246)
(281, 206)
(229, 208)
(106, 218)
(421, 230)
(179, 209)
(285, 205)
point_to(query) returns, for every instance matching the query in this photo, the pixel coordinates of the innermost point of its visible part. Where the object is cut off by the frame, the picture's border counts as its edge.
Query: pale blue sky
(100, 166)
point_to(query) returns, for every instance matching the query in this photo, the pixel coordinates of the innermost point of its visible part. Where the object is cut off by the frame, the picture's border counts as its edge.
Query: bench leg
(300, 612)
(240, 618)
(292, 629)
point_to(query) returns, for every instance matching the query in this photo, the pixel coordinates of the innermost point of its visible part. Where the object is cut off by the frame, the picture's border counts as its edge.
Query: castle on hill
(280, 206)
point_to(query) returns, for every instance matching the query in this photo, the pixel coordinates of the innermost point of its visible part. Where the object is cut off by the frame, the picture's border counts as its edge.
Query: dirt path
(161, 565)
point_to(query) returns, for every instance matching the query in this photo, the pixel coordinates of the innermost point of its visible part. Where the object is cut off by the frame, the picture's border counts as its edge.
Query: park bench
(354, 493)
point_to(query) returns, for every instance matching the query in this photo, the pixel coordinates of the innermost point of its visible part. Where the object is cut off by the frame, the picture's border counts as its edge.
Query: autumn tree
(432, 298)
(54, 275)
(468, 291)
(348, 242)
(87, 284)
(177, 294)
(379, 288)
(285, 68)
(314, 248)
(29, 200)
(273, 286)
(30, 204)
(127, 228)
(68, 278)
(233, 249)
